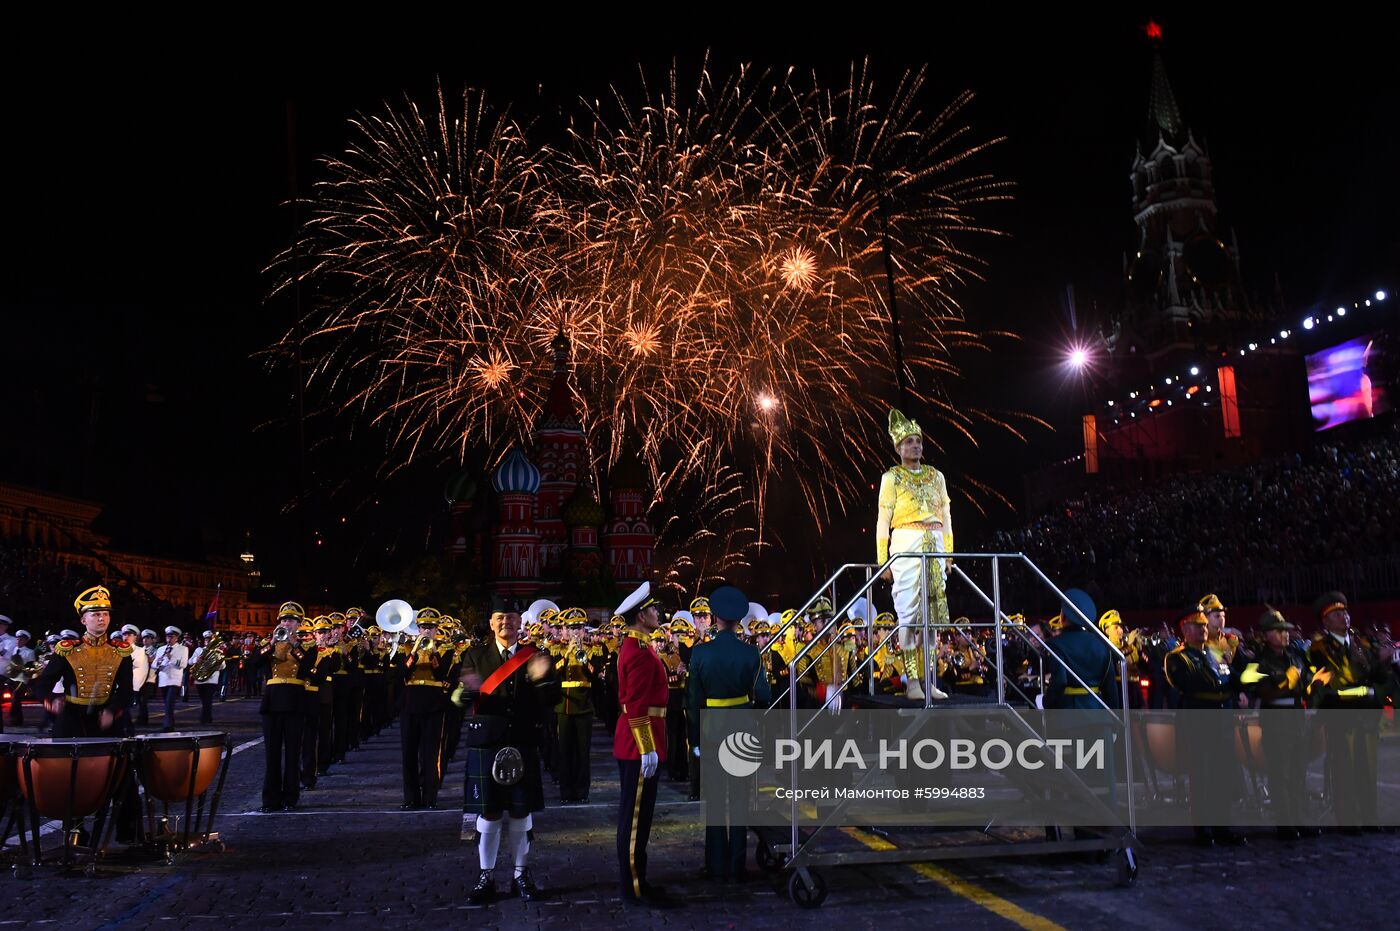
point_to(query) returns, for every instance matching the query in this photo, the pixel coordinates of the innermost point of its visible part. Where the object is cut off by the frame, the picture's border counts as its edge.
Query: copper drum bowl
(69, 776)
(166, 762)
(1251, 757)
(1159, 732)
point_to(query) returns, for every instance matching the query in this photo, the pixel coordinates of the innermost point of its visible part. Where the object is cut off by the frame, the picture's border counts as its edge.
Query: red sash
(507, 669)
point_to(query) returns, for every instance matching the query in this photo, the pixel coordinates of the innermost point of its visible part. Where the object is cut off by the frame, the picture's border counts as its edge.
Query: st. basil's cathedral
(544, 532)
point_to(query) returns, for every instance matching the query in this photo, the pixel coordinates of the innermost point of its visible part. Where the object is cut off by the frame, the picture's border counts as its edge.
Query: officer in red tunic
(639, 743)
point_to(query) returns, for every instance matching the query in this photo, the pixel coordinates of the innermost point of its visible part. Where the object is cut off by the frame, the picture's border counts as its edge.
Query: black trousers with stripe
(282, 732)
(634, 827)
(420, 736)
(575, 742)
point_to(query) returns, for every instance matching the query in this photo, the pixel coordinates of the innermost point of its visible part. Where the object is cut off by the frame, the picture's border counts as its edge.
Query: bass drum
(179, 766)
(69, 776)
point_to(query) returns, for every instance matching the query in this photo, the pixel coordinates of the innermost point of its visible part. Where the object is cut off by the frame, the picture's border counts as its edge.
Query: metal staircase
(802, 850)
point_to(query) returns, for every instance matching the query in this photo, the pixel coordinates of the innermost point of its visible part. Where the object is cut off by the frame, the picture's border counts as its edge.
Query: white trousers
(909, 579)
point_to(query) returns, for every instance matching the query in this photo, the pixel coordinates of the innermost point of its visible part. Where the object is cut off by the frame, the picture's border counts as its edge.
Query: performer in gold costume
(914, 517)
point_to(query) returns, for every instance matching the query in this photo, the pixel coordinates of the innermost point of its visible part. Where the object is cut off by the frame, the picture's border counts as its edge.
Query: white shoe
(939, 694)
(914, 690)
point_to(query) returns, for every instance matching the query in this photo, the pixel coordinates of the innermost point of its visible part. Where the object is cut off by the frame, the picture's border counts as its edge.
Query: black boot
(484, 892)
(524, 885)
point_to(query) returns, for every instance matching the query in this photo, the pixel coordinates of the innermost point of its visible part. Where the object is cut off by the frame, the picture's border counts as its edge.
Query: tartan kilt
(482, 794)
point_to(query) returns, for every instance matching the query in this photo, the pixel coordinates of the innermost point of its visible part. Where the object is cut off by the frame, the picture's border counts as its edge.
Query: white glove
(650, 762)
(696, 751)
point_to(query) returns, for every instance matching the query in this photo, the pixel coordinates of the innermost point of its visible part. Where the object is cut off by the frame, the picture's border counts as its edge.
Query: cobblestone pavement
(348, 858)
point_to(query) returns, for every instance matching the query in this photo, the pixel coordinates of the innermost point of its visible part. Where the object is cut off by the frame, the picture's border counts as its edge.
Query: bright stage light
(1380, 295)
(1078, 358)
(1283, 334)
(1253, 346)
(1341, 311)
(1169, 381)
(1195, 370)
(1309, 323)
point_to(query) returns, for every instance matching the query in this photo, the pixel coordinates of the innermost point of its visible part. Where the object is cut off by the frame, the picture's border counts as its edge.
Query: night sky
(147, 182)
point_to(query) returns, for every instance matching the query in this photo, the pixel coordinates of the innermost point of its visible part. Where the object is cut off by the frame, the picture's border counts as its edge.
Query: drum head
(185, 738)
(73, 746)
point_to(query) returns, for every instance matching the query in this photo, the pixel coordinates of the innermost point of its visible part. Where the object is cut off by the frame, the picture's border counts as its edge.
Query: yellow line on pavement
(970, 891)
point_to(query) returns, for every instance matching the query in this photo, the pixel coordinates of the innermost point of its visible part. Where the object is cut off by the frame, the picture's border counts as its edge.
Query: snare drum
(69, 777)
(179, 766)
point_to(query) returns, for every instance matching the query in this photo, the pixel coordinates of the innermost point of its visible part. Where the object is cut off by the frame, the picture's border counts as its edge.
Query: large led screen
(1354, 380)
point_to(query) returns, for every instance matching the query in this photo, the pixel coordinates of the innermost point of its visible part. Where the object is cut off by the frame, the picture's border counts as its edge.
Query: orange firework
(716, 255)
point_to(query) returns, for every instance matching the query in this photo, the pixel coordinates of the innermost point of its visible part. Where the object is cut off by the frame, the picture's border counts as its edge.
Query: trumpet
(281, 635)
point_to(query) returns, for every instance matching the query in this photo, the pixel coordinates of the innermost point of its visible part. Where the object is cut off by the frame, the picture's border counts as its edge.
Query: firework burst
(716, 253)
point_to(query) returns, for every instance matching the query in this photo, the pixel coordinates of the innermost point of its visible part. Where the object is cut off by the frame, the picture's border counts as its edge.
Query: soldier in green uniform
(574, 711)
(342, 687)
(1204, 735)
(1091, 658)
(677, 752)
(424, 701)
(284, 709)
(725, 673)
(1279, 679)
(316, 750)
(1349, 675)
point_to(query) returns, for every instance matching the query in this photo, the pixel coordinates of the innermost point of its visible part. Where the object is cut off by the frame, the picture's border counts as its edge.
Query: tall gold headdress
(901, 428)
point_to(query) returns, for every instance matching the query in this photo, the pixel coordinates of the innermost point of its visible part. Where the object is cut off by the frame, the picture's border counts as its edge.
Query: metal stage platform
(833, 837)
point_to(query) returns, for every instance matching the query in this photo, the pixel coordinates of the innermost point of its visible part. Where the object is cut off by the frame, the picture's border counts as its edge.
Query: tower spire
(1162, 110)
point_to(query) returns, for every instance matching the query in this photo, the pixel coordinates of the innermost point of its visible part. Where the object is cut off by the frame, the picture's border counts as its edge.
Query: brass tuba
(393, 617)
(210, 660)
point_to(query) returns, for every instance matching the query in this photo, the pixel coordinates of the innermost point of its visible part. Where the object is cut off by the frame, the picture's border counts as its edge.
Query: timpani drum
(179, 766)
(1249, 743)
(1159, 733)
(70, 777)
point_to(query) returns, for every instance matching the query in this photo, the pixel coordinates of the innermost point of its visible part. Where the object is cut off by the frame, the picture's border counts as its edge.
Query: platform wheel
(1127, 867)
(807, 888)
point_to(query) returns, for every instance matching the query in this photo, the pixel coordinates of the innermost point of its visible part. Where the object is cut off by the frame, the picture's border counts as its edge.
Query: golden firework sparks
(727, 238)
(798, 268)
(642, 339)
